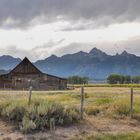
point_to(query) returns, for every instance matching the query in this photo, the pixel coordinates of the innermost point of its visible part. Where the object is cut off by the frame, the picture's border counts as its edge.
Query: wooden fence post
(131, 103)
(30, 95)
(4, 86)
(52, 128)
(73, 86)
(82, 102)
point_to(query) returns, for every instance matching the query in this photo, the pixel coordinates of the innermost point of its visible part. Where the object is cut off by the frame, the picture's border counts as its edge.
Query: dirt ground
(89, 126)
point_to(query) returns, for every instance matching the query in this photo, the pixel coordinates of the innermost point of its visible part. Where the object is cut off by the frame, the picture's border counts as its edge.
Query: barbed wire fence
(84, 101)
(27, 94)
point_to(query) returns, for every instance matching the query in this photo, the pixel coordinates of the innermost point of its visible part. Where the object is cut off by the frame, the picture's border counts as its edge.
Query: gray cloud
(41, 52)
(36, 53)
(73, 48)
(132, 46)
(14, 51)
(20, 13)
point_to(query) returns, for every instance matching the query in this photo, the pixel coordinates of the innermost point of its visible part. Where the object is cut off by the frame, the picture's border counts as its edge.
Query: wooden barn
(26, 74)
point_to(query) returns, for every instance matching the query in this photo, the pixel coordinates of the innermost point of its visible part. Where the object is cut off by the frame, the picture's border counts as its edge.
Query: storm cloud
(46, 27)
(24, 13)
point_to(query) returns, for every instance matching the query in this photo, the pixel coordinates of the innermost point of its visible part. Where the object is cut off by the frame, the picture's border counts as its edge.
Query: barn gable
(25, 67)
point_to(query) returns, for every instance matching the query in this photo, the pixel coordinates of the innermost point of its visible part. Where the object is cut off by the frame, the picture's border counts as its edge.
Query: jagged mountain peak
(75, 55)
(96, 64)
(81, 53)
(53, 56)
(124, 53)
(96, 51)
(8, 62)
(8, 57)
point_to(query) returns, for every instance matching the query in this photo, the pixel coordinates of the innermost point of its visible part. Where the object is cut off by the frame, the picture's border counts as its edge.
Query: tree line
(111, 79)
(77, 80)
(122, 79)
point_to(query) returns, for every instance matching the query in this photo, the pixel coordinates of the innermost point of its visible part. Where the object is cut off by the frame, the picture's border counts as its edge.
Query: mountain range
(96, 64)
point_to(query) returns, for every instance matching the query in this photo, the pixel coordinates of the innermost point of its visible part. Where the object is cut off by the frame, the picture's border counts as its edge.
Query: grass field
(107, 85)
(102, 106)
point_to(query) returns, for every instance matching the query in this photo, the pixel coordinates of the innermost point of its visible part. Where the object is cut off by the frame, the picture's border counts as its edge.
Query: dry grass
(106, 108)
(98, 98)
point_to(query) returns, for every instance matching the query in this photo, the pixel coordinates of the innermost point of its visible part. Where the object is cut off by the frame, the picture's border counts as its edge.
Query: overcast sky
(39, 28)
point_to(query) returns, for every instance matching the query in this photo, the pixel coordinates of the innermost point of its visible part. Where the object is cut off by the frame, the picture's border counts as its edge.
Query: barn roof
(25, 67)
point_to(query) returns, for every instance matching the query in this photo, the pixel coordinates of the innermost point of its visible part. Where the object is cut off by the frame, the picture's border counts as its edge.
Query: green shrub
(3, 105)
(71, 114)
(13, 112)
(27, 125)
(37, 116)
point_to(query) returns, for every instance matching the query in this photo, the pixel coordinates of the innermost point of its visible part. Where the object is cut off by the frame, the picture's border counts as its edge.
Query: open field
(108, 85)
(107, 114)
